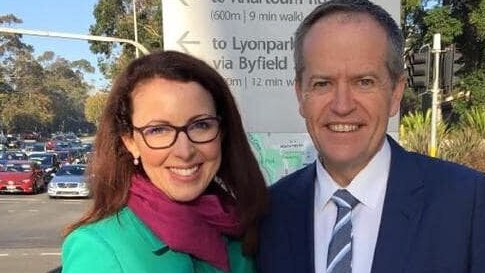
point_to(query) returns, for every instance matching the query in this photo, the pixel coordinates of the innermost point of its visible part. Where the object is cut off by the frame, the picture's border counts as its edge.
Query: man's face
(345, 93)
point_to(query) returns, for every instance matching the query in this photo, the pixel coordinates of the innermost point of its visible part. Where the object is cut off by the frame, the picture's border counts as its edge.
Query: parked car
(69, 181)
(35, 147)
(30, 136)
(13, 155)
(13, 142)
(21, 176)
(48, 161)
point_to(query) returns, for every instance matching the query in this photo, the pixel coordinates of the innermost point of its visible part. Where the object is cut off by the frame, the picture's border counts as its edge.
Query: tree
(473, 89)
(67, 89)
(461, 23)
(94, 107)
(39, 94)
(114, 18)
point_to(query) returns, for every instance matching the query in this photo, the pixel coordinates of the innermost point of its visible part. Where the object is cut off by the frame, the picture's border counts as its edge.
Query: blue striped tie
(339, 256)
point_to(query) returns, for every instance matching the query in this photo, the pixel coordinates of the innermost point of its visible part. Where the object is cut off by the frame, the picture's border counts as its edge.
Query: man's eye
(320, 84)
(157, 130)
(366, 83)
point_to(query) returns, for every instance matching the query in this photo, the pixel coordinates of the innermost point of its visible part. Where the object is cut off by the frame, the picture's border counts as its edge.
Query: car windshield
(63, 156)
(71, 170)
(42, 159)
(38, 148)
(13, 156)
(17, 168)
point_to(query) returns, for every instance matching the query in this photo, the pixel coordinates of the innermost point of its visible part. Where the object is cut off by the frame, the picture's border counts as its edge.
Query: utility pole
(435, 93)
(74, 36)
(135, 26)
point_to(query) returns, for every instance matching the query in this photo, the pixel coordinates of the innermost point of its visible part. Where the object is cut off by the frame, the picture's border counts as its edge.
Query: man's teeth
(185, 172)
(343, 127)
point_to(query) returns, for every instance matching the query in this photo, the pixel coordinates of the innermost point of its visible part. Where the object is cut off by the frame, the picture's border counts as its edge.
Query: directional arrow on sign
(181, 42)
(184, 2)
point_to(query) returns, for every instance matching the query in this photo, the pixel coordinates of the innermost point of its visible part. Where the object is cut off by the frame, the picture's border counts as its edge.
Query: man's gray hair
(394, 59)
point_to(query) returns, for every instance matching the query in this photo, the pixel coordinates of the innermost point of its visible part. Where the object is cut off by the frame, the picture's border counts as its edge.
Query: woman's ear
(130, 145)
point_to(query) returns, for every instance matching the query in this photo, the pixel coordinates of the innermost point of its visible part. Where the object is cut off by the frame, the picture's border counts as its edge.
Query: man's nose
(343, 100)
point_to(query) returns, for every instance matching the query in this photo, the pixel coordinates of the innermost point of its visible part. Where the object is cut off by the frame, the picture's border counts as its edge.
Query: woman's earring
(136, 161)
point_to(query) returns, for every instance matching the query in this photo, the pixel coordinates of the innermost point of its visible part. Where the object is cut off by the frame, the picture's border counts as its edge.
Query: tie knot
(343, 198)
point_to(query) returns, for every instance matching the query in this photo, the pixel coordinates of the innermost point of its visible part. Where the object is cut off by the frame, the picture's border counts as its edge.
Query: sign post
(435, 93)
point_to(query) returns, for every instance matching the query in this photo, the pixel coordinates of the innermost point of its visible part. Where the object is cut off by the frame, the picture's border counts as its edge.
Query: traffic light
(451, 64)
(419, 69)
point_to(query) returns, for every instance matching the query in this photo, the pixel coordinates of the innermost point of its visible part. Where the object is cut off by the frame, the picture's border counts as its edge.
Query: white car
(69, 181)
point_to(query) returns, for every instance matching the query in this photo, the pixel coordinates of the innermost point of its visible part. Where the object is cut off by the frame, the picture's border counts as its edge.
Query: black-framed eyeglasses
(164, 136)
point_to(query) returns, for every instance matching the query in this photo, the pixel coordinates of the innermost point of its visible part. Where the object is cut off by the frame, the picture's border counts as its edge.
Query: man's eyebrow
(319, 77)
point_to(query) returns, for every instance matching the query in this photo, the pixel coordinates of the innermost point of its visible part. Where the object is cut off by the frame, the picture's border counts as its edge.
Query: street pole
(435, 93)
(73, 36)
(135, 26)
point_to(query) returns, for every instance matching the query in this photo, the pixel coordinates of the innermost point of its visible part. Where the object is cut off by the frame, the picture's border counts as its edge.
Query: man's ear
(300, 97)
(397, 95)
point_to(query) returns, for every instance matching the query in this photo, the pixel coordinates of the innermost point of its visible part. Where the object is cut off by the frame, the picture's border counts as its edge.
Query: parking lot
(31, 228)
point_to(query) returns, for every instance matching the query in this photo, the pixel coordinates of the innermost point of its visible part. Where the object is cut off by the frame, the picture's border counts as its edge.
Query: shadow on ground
(55, 270)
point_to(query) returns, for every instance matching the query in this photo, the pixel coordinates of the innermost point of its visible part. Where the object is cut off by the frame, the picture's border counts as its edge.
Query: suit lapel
(401, 213)
(301, 230)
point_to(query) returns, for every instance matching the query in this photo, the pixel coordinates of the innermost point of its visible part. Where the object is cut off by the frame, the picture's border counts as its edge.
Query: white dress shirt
(369, 188)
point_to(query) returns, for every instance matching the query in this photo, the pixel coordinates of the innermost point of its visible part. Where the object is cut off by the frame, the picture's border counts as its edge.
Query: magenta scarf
(194, 227)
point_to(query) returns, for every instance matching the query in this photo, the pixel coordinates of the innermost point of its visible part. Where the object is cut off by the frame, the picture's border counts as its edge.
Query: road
(31, 226)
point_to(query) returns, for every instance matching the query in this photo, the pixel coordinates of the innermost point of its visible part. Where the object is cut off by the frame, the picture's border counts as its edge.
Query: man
(366, 205)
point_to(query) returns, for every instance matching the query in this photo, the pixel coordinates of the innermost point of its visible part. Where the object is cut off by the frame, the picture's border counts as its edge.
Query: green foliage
(472, 90)
(22, 112)
(475, 118)
(94, 107)
(415, 132)
(42, 94)
(67, 91)
(410, 5)
(410, 102)
(464, 145)
(440, 20)
(114, 18)
(107, 13)
(461, 23)
(477, 19)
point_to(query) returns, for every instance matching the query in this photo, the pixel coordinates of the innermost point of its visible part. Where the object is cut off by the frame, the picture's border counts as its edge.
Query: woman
(175, 185)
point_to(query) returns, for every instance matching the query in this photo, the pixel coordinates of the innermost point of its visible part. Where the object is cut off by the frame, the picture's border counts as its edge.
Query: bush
(415, 132)
(475, 118)
(464, 144)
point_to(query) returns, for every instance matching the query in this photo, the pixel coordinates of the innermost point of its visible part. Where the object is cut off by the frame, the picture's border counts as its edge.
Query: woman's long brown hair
(112, 165)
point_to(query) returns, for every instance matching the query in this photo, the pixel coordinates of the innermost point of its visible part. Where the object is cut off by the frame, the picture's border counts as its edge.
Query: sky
(70, 16)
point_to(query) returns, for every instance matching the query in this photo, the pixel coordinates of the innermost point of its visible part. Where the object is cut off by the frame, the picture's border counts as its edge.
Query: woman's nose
(183, 147)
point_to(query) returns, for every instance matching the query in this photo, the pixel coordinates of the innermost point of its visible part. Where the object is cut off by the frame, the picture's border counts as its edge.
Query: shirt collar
(367, 185)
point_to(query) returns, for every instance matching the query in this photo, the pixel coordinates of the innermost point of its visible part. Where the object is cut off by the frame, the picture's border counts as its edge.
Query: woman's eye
(201, 125)
(153, 130)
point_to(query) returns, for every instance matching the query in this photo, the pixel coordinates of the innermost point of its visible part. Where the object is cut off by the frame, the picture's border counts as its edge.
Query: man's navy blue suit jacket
(433, 220)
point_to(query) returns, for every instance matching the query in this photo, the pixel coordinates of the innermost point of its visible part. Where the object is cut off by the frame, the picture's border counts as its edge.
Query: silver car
(69, 181)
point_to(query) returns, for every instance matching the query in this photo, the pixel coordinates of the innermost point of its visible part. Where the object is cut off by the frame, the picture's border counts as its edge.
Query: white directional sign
(250, 42)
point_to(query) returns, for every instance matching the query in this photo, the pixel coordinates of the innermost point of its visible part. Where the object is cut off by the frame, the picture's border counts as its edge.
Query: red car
(21, 176)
